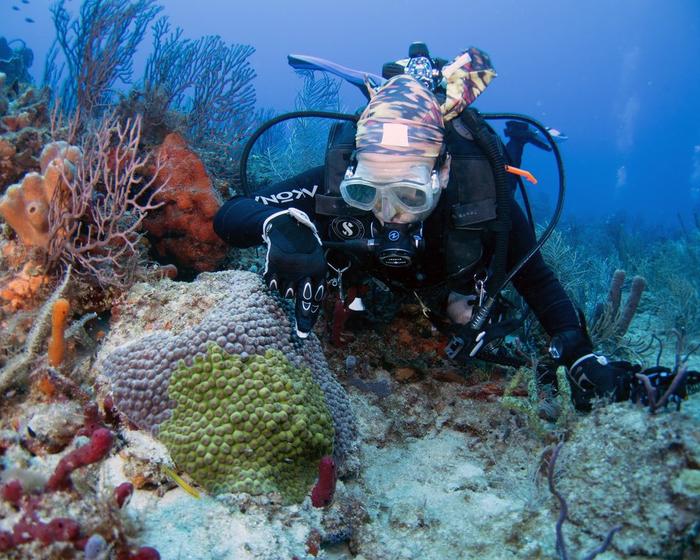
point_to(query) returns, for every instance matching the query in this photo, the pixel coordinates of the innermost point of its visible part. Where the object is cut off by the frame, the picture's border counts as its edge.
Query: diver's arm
(240, 220)
(536, 281)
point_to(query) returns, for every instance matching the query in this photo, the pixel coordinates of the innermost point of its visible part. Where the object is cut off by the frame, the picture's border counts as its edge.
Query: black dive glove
(590, 375)
(295, 265)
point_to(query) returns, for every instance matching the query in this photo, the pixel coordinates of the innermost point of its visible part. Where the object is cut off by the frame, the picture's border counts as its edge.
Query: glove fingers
(287, 290)
(307, 308)
(272, 281)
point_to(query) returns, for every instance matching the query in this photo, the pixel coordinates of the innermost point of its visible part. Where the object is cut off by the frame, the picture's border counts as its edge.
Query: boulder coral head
(239, 400)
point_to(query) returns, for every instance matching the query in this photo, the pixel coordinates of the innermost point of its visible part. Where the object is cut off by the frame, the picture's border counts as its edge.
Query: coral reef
(95, 219)
(51, 505)
(26, 206)
(23, 129)
(247, 323)
(181, 230)
(255, 425)
(16, 369)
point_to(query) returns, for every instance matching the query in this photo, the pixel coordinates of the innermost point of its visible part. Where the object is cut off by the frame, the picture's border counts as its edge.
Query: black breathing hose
(562, 187)
(482, 314)
(243, 167)
(487, 140)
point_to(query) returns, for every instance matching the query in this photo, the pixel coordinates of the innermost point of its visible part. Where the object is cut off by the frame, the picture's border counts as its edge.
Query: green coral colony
(242, 404)
(257, 424)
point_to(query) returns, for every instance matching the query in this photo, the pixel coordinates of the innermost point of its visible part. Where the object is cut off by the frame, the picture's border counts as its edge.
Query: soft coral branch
(95, 219)
(564, 511)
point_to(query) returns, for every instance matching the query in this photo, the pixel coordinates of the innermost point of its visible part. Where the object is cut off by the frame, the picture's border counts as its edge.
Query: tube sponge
(57, 343)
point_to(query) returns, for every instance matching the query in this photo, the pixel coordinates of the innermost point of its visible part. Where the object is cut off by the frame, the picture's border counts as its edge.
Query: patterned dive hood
(466, 77)
(402, 118)
(405, 118)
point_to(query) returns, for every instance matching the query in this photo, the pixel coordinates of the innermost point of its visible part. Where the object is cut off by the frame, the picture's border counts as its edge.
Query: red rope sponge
(99, 445)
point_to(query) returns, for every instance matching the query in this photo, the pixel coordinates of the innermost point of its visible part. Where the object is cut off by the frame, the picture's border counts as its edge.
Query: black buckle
(454, 347)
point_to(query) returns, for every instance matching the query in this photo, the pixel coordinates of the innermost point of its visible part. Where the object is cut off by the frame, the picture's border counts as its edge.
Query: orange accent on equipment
(522, 172)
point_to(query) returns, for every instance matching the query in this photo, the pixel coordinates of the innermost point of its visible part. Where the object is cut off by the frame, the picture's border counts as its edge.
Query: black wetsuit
(240, 222)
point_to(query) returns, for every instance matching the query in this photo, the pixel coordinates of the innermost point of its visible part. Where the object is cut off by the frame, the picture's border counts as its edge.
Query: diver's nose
(387, 210)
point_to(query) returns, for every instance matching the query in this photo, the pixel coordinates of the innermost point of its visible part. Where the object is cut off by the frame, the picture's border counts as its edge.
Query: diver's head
(400, 165)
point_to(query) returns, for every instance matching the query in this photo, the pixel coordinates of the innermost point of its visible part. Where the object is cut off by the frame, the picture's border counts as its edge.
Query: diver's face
(387, 210)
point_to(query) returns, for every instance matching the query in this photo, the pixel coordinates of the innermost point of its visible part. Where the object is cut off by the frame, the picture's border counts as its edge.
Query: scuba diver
(418, 192)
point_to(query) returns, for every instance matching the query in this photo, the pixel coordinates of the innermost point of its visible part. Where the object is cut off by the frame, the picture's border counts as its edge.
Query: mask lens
(360, 193)
(410, 197)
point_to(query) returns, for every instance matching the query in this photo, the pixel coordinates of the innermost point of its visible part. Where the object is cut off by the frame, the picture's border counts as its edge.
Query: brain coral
(241, 402)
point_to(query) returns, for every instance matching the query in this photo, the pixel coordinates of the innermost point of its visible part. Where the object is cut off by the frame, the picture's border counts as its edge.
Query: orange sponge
(57, 344)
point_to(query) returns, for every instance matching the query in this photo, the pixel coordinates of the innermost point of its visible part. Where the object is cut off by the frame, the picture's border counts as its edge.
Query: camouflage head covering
(402, 118)
(465, 77)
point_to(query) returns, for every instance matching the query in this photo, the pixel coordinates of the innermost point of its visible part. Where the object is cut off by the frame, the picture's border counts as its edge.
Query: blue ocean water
(621, 79)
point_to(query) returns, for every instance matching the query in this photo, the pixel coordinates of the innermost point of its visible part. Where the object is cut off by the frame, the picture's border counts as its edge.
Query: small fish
(29, 20)
(180, 482)
(15, 8)
(25, 1)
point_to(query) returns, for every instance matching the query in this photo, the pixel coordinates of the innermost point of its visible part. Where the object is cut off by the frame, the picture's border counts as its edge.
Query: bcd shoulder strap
(339, 149)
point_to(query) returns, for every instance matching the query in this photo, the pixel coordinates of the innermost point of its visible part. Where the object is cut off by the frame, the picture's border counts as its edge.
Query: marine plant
(202, 88)
(95, 215)
(294, 146)
(673, 272)
(207, 80)
(97, 49)
(540, 400)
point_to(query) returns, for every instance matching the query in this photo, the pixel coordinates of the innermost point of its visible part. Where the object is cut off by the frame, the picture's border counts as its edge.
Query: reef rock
(240, 401)
(23, 130)
(182, 229)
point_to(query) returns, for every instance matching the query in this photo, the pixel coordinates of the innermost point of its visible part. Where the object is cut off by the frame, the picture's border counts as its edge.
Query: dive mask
(415, 193)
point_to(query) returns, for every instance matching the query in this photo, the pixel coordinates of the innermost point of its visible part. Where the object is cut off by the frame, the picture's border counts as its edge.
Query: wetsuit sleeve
(536, 281)
(240, 220)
